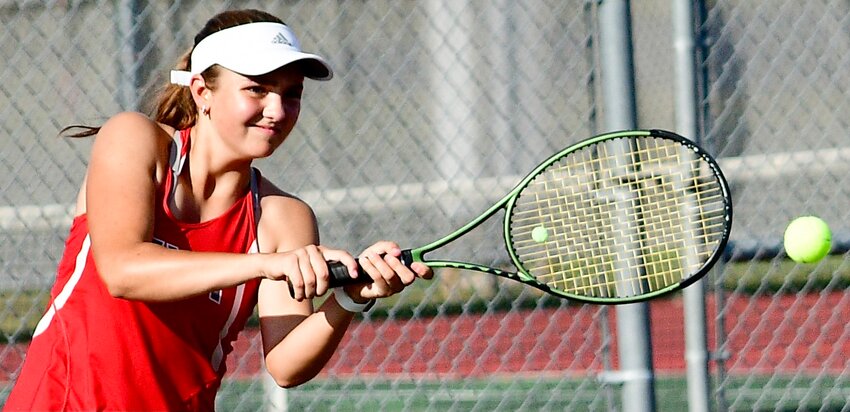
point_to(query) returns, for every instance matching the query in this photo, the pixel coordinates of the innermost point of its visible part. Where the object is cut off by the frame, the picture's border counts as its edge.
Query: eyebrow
(269, 79)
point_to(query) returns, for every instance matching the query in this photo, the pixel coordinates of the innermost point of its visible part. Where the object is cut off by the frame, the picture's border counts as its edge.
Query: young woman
(177, 237)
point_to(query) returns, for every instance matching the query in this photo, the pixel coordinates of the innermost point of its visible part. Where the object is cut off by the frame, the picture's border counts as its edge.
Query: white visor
(251, 50)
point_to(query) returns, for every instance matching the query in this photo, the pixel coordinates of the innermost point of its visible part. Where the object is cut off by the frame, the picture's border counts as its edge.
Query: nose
(274, 107)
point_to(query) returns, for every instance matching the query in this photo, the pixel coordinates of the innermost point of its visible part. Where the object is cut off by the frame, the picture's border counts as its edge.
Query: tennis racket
(618, 218)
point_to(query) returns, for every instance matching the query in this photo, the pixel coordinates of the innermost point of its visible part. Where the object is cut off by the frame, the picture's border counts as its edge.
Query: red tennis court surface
(788, 333)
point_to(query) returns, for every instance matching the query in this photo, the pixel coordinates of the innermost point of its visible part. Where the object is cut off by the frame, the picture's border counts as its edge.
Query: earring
(205, 110)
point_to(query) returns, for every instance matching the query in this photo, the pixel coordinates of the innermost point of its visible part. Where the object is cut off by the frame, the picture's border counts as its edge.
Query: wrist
(346, 302)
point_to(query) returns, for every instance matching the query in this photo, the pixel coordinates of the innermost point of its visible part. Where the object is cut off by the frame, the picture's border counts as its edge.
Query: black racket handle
(339, 275)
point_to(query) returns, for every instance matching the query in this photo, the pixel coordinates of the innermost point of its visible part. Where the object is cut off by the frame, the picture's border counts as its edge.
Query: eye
(292, 94)
(257, 90)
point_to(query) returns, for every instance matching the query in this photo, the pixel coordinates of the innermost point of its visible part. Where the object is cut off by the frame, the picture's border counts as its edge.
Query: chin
(265, 147)
(259, 152)
(265, 150)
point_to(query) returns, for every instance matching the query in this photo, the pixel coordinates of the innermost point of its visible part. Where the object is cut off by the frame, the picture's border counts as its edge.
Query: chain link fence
(437, 109)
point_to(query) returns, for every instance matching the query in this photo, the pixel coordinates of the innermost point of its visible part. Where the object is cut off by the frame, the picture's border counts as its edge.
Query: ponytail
(174, 107)
(174, 104)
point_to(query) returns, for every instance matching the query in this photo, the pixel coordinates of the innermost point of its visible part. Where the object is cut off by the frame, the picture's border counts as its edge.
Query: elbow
(116, 272)
(115, 288)
(117, 292)
(290, 379)
(113, 279)
(288, 382)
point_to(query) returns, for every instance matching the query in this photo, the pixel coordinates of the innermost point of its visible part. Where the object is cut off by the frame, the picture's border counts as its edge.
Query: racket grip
(339, 275)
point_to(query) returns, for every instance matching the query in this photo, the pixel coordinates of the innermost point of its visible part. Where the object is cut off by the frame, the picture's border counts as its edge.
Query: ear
(200, 91)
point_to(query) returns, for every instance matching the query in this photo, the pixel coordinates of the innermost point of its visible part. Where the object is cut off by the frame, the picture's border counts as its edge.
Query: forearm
(152, 273)
(308, 347)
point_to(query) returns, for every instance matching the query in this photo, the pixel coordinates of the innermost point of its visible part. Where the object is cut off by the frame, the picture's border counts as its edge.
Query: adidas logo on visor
(281, 39)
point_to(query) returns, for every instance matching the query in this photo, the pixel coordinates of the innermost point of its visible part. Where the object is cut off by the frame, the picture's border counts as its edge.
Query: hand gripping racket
(618, 218)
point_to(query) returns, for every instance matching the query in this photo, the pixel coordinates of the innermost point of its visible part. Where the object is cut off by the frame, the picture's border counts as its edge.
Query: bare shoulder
(286, 221)
(133, 130)
(133, 123)
(277, 204)
(131, 136)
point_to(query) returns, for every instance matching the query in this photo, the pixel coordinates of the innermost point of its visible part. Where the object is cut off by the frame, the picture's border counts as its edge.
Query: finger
(340, 256)
(384, 247)
(291, 289)
(422, 270)
(403, 273)
(285, 268)
(368, 266)
(319, 266)
(296, 282)
(308, 276)
(391, 277)
(381, 265)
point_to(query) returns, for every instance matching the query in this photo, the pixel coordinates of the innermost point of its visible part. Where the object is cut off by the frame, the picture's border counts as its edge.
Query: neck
(212, 182)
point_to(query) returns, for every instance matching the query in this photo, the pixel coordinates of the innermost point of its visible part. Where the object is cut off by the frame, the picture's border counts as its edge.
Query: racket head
(619, 218)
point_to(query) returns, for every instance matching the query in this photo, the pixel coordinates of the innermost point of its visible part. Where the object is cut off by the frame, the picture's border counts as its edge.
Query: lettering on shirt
(215, 295)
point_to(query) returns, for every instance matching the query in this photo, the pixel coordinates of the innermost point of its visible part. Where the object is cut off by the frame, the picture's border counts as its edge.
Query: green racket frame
(340, 276)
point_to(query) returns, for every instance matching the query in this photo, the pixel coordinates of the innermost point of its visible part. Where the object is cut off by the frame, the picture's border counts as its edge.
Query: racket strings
(623, 217)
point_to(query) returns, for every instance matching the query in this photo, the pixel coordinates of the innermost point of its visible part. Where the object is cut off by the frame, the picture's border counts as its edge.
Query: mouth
(269, 129)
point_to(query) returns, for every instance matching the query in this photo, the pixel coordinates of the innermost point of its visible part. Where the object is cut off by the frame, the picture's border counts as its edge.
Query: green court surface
(506, 393)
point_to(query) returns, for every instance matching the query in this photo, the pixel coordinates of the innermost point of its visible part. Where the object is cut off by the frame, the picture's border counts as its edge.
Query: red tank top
(92, 351)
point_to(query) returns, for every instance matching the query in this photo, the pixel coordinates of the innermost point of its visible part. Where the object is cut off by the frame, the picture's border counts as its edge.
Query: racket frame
(507, 203)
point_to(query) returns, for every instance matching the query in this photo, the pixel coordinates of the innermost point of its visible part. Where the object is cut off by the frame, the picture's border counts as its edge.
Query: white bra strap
(177, 159)
(255, 191)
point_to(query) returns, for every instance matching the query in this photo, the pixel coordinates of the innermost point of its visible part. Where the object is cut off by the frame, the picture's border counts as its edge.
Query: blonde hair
(174, 104)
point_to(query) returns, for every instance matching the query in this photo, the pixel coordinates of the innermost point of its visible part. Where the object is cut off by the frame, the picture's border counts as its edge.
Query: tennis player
(177, 237)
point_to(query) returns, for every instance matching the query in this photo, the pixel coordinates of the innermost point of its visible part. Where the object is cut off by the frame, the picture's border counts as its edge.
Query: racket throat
(407, 257)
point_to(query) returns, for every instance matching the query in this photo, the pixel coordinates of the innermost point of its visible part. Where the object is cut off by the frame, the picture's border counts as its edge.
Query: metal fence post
(696, 350)
(634, 343)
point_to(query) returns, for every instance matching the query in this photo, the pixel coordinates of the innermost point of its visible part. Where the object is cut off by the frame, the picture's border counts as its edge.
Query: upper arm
(121, 183)
(286, 223)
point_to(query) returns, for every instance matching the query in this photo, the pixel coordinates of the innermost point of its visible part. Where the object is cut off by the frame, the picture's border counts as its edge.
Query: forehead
(289, 74)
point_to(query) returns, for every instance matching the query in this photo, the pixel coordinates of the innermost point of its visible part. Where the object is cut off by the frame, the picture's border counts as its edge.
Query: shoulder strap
(178, 158)
(255, 200)
(255, 191)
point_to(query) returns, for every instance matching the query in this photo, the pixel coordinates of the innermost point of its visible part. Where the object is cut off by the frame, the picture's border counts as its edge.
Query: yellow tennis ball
(807, 239)
(539, 234)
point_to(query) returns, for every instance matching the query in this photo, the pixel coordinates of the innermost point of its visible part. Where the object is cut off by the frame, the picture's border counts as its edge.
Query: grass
(758, 393)
(20, 310)
(500, 393)
(785, 276)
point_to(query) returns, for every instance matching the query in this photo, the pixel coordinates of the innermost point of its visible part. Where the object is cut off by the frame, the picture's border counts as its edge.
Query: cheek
(236, 108)
(243, 109)
(293, 112)
(290, 118)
